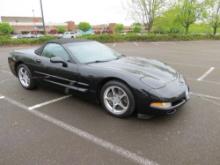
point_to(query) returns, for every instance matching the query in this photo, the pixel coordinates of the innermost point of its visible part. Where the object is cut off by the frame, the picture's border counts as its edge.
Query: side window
(55, 50)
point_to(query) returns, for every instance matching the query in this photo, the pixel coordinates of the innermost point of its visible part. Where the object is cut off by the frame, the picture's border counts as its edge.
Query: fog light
(161, 105)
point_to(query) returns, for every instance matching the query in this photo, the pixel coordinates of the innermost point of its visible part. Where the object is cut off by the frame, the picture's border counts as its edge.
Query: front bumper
(176, 102)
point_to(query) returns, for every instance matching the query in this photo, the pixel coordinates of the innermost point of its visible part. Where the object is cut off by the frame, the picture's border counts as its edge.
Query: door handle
(38, 60)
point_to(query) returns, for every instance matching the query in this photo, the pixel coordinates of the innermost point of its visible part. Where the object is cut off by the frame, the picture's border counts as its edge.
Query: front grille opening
(177, 102)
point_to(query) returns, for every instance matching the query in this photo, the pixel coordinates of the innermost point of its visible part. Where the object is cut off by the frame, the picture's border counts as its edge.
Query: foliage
(5, 29)
(84, 26)
(148, 37)
(136, 28)
(189, 12)
(145, 11)
(119, 28)
(200, 28)
(167, 23)
(60, 29)
(6, 40)
(213, 14)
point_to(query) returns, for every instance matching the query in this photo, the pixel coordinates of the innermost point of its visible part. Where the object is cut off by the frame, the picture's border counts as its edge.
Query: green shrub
(6, 40)
(136, 28)
(84, 26)
(60, 29)
(148, 37)
(119, 28)
(5, 29)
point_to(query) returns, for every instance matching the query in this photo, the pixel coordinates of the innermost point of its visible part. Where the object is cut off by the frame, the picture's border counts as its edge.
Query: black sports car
(122, 84)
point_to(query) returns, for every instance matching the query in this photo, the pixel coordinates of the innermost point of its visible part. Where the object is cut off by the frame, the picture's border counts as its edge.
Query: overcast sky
(58, 11)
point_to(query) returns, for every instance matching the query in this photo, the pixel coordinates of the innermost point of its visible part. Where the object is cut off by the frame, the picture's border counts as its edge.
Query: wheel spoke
(122, 96)
(109, 98)
(122, 106)
(113, 91)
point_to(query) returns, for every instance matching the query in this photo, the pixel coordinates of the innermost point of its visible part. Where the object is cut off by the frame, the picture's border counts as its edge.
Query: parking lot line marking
(20, 105)
(48, 102)
(5, 80)
(206, 74)
(211, 101)
(87, 136)
(204, 95)
(2, 97)
(183, 64)
(211, 82)
(135, 43)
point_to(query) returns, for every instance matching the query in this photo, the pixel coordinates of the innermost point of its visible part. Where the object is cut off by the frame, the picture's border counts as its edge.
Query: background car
(70, 34)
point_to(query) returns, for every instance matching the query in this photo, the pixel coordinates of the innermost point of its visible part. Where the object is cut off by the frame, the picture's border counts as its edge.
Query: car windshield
(91, 52)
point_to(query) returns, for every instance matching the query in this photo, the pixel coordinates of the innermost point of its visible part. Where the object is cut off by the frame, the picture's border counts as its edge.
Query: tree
(84, 26)
(119, 28)
(145, 11)
(189, 12)
(5, 29)
(60, 29)
(136, 28)
(213, 14)
(167, 22)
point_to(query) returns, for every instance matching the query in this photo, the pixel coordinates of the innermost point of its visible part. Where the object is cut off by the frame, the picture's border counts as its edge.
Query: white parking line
(211, 101)
(5, 80)
(204, 95)
(183, 64)
(87, 136)
(206, 74)
(48, 102)
(2, 97)
(135, 43)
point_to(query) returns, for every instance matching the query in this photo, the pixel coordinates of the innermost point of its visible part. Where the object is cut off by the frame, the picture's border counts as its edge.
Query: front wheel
(117, 99)
(25, 77)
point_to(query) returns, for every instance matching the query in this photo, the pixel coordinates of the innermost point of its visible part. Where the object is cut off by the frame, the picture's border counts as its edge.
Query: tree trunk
(187, 29)
(214, 30)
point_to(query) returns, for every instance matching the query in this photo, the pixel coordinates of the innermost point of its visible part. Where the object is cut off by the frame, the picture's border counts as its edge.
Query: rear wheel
(25, 77)
(117, 99)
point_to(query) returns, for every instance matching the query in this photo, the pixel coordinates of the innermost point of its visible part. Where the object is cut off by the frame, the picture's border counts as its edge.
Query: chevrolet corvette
(122, 84)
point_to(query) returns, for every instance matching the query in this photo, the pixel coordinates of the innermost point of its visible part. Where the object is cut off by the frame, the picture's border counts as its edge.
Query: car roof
(61, 42)
(67, 40)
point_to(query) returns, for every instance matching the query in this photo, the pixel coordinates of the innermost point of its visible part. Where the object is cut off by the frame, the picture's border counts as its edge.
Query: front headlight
(161, 105)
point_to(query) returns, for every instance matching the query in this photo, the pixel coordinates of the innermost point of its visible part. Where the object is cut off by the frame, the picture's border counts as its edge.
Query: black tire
(32, 84)
(131, 107)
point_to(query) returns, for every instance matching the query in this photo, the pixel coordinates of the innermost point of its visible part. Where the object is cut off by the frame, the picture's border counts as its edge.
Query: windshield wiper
(100, 61)
(97, 61)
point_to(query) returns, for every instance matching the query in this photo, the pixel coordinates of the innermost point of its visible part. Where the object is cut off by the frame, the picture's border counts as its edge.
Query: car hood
(152, 72)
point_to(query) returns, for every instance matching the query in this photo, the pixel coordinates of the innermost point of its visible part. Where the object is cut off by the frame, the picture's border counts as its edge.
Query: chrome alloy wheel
(116, 100)
(24, 77)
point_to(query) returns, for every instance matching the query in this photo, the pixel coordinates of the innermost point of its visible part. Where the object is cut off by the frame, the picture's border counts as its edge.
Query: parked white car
(70, 34)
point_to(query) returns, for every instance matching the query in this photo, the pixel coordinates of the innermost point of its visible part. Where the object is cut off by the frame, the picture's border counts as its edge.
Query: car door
(56, 73)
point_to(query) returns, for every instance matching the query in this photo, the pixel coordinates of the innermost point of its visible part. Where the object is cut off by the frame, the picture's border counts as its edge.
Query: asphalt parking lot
(46, 127)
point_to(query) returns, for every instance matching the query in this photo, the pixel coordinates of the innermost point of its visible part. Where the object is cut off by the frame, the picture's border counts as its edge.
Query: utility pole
(42, 15)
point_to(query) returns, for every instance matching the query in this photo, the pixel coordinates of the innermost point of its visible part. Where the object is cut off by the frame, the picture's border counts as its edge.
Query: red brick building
(35, 25)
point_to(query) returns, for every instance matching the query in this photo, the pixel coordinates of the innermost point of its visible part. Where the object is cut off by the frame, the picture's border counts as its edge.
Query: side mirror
(58, 60)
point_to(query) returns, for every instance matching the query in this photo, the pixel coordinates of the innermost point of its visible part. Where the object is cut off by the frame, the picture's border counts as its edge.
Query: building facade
(23, 25)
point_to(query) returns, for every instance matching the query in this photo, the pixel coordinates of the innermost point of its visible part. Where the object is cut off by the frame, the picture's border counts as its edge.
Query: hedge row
(6, 40)
(149, 37)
